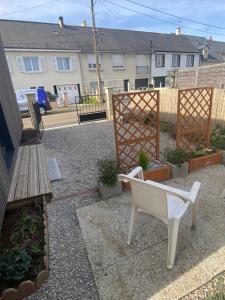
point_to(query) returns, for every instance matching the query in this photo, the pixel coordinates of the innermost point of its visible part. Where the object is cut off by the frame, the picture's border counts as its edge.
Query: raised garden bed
(157, 171)
(206, 160)
(23, 252)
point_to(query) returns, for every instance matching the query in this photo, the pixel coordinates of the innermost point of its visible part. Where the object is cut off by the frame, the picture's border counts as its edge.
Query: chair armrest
(138, 171)
(193, 195)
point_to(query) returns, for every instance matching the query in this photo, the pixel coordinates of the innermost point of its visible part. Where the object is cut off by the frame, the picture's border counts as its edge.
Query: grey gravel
(70, 273)
(77, 150)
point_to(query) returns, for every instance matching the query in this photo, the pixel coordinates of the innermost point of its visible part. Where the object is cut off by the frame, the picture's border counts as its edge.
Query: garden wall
(211, 75)
(168, 106)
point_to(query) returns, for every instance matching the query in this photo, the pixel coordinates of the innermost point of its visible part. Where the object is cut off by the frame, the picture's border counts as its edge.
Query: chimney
(83, 24)
(178, 31)
(61, 22)
(210, 38)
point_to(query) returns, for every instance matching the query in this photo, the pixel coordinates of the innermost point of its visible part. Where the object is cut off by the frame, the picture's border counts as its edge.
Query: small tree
(171, 78)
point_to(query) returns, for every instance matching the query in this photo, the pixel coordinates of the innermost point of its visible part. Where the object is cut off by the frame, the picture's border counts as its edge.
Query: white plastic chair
(164, 202)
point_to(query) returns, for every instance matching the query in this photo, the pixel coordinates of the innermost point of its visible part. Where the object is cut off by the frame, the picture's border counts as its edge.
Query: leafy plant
(35, 249)
(218, 138)
(28, 226)
(108, 171)
(199, 153)
(143, 159)
(89, 100)
(176, 156)
(14, 264)
(150, 118)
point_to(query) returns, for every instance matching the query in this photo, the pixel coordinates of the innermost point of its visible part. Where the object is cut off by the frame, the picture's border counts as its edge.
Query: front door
(125, 85)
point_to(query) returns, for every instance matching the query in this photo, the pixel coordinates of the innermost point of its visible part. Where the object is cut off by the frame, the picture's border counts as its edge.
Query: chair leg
(132, 221)
(173, 227)
(195, 214)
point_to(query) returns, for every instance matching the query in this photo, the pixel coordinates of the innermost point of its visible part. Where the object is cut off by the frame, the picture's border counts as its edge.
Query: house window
(190, 60)
(176, 60)
(63, 63)
(118, 61)
(31, 64)
(141, 64)
(159, 60)
(92, 62)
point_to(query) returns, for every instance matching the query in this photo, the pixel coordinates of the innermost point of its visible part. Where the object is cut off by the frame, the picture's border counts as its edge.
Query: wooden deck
(30, 177)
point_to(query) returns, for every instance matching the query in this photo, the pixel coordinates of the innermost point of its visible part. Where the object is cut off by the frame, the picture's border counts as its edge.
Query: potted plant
(177, 159)
(108, 185)
(201, 158)
(153, 170)
(218, 140)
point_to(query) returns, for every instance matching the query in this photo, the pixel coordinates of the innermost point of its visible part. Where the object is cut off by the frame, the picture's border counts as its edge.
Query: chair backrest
(151, 199)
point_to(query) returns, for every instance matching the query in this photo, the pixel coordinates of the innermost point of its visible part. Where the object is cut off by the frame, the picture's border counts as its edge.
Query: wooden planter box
(204, 161)
(29, 287)
(158, 174)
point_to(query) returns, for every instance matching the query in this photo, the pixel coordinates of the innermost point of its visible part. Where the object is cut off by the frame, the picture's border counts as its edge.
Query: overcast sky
(107, 15)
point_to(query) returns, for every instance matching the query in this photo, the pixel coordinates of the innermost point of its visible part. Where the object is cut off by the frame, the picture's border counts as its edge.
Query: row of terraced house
(61, 57)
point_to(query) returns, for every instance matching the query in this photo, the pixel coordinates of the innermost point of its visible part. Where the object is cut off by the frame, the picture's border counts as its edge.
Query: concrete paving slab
(139, 271)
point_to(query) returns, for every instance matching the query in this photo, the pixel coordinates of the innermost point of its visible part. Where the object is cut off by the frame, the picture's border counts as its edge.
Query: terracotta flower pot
(157, 174)
(204, 161)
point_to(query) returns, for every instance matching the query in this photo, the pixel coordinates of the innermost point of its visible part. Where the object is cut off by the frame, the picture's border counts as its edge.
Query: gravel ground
(213, 290)
(70, 273)
(77, 150)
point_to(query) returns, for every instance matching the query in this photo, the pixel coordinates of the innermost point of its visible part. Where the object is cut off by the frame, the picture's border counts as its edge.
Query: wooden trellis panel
(136, 126)
(194, 118)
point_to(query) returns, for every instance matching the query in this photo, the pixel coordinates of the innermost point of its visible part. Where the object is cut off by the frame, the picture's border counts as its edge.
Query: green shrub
(143, 159)
(14, 264)
(217, 139)
(176, 156)
(198, 153)
(28, 226)
(108, 171)
(89, 100)
(150, 118)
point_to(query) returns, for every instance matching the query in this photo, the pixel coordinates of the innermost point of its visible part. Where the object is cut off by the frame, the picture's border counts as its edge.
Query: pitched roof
(34, 35)
(216, 48)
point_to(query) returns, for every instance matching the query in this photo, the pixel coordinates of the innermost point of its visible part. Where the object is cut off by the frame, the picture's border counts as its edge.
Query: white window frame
(63, 58)
(117, 65)
(190, 58)
(176, 60)
(30, 58)
(91, 59)
(161, 62)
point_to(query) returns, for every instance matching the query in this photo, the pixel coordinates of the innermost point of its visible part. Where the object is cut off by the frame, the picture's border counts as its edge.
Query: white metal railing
(142, 70)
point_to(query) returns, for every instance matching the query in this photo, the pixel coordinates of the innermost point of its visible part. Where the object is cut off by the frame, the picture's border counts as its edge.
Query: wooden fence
(168, 106)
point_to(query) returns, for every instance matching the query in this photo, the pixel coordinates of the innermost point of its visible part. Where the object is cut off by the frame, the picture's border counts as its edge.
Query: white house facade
(62, 60)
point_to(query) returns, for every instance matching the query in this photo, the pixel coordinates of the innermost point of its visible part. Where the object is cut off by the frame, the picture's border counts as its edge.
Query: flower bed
(23, 251)
(204, 161)
(157, 171)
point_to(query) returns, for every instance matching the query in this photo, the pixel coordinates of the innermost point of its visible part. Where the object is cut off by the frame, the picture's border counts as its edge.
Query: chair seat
(176, 207)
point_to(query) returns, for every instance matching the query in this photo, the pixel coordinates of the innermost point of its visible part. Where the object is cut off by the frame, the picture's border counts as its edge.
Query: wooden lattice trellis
(136, 126)
(194, 118)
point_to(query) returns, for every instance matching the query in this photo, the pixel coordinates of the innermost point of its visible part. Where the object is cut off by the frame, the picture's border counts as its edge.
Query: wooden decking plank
(33, 180)
(13, 185)
(44, 183)
(21, 187)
